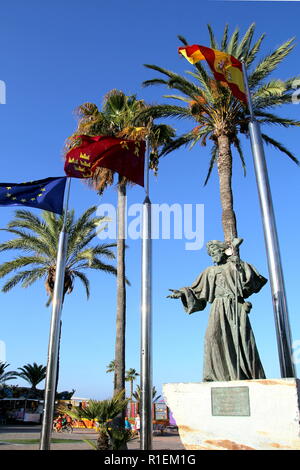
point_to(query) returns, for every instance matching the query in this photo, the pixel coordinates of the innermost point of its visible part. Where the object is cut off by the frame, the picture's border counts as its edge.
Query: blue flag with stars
(47, 194)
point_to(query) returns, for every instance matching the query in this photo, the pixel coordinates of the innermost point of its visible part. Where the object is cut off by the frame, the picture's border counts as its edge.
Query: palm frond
(183, 40)
(84, 240)
(272, 88)
(244, 45)
(154, 81)
(270, 62)
(205, 82)
(99, 265)
(26, 219)
(280, 147)
(160, 111)
(177, 143)
(214, 157)
(20, 277)
(233, 43)
(83, 278)
(270, 118)
(177, 81)
(37, 274)
(252, 53)
(81, 228)
(26, 242)
(238, 147)
(177, 97)
(50, 220)
(213, 41)
(271, 101)
(104, 249)
(20, 262)
(224, 38)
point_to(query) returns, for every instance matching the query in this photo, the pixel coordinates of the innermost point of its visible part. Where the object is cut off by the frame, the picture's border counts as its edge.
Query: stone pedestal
(237, 415)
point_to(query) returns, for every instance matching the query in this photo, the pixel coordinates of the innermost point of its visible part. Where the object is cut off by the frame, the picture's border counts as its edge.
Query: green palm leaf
(38, 238)
(32, 373)
(270, 62)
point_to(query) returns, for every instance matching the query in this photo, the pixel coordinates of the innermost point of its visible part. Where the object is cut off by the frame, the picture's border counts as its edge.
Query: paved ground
(168, 441)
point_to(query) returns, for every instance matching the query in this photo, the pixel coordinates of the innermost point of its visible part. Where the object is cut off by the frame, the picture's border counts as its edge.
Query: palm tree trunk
(225, 179)
(103, 440)
(121, 295)
(119, 382)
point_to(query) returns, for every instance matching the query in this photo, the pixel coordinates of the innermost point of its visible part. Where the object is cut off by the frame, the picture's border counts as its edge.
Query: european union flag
(47, 194)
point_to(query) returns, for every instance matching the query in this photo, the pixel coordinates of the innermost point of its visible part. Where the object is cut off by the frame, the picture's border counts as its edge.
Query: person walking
(137, 424)
(127, 424)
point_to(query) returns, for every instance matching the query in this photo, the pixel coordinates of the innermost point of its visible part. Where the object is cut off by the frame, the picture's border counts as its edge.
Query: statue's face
(216, 253)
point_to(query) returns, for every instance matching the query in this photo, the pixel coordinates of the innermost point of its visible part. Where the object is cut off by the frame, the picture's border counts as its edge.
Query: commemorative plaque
(230, 401)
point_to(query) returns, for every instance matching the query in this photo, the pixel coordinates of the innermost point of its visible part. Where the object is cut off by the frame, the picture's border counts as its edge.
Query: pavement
(169, 440)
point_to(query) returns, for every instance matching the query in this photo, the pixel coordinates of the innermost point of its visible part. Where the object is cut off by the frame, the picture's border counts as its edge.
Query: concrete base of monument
(237, 415)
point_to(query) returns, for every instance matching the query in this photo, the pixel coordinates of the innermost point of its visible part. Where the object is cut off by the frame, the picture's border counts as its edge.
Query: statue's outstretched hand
(176, 294)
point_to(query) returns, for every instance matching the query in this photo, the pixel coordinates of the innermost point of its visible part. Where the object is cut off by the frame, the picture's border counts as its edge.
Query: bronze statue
(226, 285)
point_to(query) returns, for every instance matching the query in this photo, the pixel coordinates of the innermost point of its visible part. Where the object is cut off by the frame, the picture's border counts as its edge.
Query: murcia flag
(47, 194)
(125, 157)
(225, 67)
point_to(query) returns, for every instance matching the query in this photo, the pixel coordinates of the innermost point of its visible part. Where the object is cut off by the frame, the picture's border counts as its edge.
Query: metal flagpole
(146, 320)
(283, 332)
(51, 374)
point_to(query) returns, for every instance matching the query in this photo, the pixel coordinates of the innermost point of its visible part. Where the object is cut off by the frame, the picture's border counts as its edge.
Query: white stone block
(272, 423)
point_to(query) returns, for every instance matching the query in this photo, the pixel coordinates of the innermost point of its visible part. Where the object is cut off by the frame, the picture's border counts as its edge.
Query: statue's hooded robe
(217, 286)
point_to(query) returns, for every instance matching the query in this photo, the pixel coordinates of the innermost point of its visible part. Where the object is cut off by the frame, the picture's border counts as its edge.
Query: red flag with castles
(122, 156)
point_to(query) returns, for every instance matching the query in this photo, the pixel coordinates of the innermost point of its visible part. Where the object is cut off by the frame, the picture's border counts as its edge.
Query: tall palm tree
(6, 375)
(38, 238)
(137, 395)
(218, 115)
(119, 118)
(33, 374)
(111, 368)
(131, 375)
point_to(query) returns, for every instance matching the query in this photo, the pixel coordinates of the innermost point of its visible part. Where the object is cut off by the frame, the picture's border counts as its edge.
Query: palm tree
(118, 118)
(131, 375)
(33, 374)
(137, 394)
(6, 375)
(219, 116)
(104, 412)
(38, 238)
(111, 368)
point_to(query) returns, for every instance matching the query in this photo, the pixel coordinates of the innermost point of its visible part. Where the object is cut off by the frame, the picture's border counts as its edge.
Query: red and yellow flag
(225, 67)
(125, 157)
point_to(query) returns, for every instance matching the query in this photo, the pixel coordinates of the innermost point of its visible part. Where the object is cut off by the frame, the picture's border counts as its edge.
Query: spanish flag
(225, 67)
(125, 157)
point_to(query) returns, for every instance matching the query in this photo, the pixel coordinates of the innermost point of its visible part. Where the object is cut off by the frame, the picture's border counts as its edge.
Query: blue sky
(57, 55)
